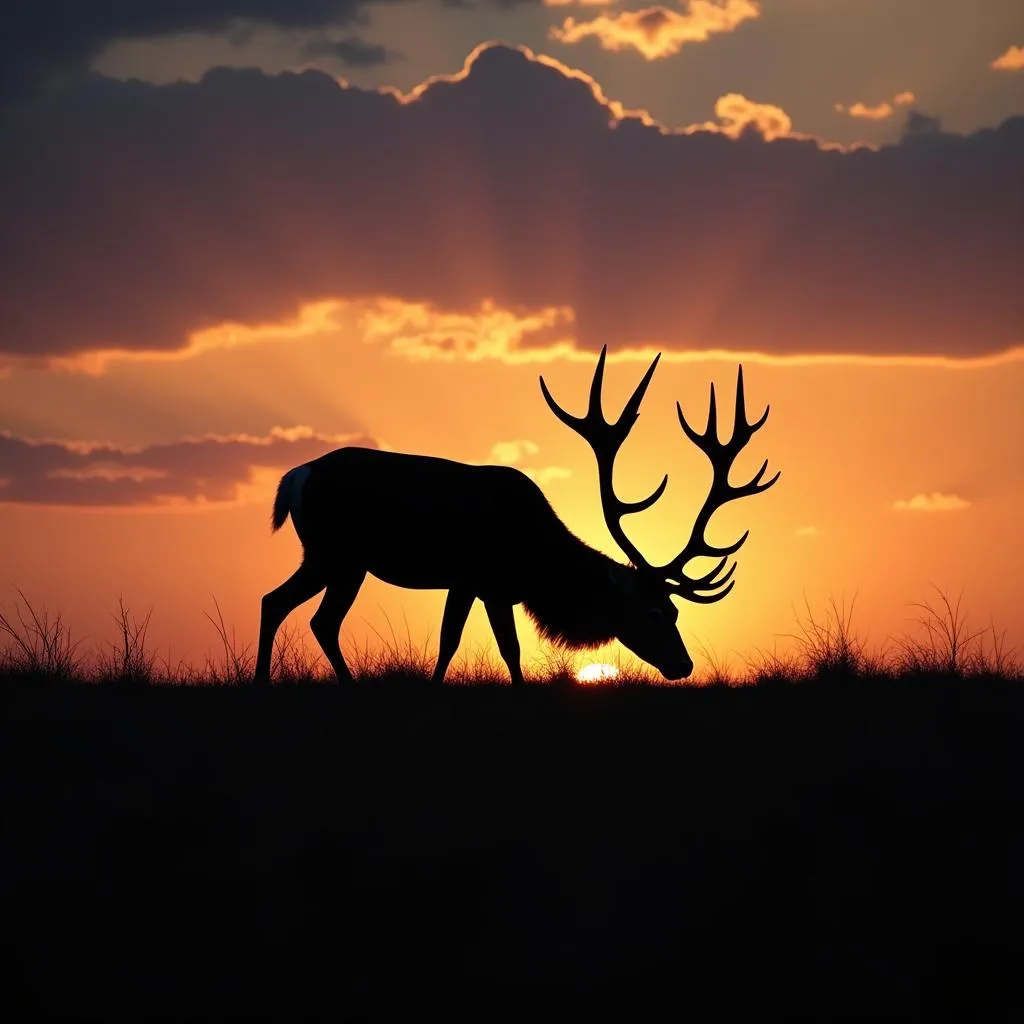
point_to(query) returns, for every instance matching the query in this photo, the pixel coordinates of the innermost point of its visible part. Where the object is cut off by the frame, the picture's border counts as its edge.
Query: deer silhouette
(488, 532)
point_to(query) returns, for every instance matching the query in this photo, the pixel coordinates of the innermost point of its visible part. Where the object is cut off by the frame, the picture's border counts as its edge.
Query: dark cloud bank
(43, 40)
(46, 38)
(135, 214)
(351, 51)
(207, 469)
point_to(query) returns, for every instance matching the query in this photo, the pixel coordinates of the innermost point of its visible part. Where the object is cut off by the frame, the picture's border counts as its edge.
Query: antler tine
(605, 439)
(741, 428)
(708, 580)
(740, 421)
(632, 407)
(692, 589)
(687, 429)
(722, 454)
(594, 410)
(699, 598)
(711, 430)
(566, 418)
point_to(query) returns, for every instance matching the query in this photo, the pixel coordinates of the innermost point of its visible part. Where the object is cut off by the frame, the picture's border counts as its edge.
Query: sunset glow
(597, 672)
(512, 494)
(231, 253)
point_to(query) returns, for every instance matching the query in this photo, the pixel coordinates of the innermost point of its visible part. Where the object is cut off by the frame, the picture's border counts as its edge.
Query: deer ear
(622, 576)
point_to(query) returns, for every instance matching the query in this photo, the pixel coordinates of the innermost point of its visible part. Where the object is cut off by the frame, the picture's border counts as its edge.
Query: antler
(708, 588)
(606, 439)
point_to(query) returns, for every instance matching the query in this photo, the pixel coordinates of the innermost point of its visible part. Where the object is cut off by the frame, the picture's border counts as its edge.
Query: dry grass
(38, 643)
(827, 647)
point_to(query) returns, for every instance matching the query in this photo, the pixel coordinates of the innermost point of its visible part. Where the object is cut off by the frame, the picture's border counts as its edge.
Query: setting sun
(597, 672)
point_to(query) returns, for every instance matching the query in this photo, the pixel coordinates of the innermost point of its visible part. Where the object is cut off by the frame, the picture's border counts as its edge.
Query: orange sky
(852, 439)
(211, 283)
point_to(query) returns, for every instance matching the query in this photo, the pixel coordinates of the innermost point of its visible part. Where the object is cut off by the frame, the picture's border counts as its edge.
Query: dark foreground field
(827, 851)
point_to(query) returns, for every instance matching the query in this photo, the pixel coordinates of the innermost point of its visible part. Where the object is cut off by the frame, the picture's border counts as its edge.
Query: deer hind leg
(503, 624)
(303, 584)
(326, 621)
(456, 611)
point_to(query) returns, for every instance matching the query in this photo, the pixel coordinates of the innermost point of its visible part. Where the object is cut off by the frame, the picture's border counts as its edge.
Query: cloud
(918, 124)
(508, 453)
(312, 319)
(513, 201)
(512, 453)
(350, 51)
(877, 111)
(1011, 60)
(418, 331)
(49, 38)
(186, 473)
(547, 474)
(738, 115)
(806, 531)
(934, 502)
(658, 32)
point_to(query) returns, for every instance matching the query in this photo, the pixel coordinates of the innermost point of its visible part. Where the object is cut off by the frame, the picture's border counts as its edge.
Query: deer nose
(680, 669)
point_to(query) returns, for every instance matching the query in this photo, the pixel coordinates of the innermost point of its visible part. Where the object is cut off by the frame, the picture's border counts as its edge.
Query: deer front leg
(503, 624)
(456, 611)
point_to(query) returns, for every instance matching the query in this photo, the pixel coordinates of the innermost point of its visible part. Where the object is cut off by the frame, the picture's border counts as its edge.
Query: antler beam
(606, 439)
(708, 588)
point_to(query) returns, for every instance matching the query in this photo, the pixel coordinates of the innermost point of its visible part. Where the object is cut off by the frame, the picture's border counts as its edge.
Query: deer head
(644, 590)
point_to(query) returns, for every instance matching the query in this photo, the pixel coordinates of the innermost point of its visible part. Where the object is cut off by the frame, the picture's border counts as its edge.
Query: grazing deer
(488, 532)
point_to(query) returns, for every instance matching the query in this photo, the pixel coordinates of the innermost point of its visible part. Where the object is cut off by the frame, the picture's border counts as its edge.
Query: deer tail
(289, 497)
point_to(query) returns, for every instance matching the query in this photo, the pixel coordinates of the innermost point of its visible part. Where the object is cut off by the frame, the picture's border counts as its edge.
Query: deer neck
(575, 605)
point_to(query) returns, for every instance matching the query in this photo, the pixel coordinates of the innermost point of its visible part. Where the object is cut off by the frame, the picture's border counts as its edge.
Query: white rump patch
(295, 480)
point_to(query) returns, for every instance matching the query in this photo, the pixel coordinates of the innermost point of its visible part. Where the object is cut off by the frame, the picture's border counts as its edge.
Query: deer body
(426, 523)
(489, 533)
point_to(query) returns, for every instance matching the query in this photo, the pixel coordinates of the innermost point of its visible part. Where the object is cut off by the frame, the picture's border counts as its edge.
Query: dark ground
(818, 850)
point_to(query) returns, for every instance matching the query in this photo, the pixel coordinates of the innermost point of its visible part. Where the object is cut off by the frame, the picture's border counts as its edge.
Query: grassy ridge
(848, 847)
